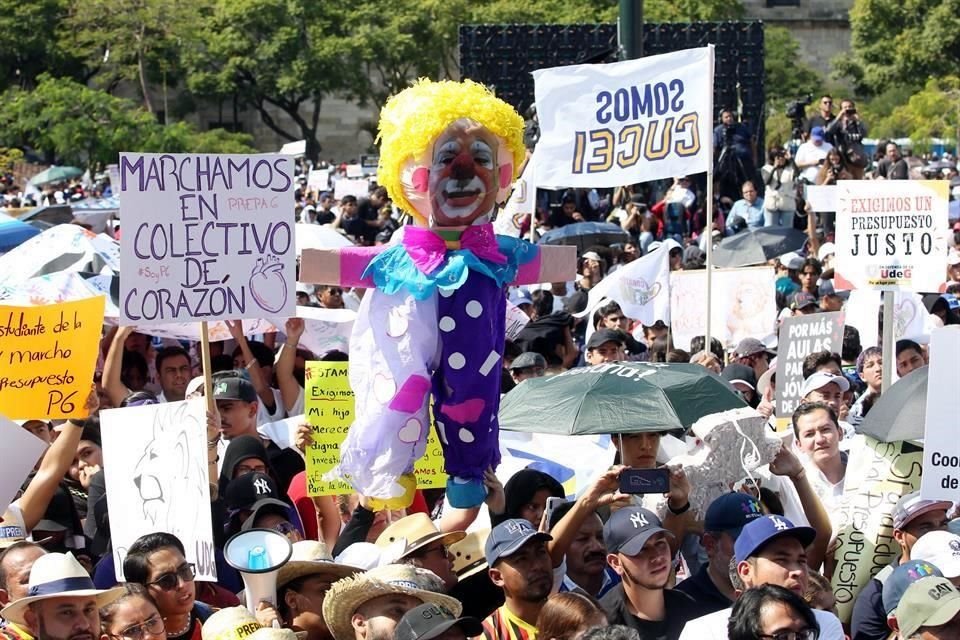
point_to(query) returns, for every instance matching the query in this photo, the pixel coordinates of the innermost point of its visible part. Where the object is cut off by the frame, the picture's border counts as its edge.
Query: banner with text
(20, 451)
(47, 358)
(891, 235)
(520, 204)
(329, 408)
(206, 237)
(606, 125)
(799, 337)
(744, 304)
(941, 448)
(155, 466)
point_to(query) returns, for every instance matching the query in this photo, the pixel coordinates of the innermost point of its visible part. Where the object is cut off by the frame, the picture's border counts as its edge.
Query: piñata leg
(392, 348)
(466, 385)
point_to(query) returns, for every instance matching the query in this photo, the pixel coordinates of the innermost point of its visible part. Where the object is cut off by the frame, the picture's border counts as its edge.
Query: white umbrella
(65, 247)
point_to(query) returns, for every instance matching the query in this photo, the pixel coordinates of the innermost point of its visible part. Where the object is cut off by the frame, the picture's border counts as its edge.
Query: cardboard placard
(329, 408)
(206, 237)
(19, 453)
(47, 358)
(799, 337)
(358, 188)
(155, 466)
(941, 447)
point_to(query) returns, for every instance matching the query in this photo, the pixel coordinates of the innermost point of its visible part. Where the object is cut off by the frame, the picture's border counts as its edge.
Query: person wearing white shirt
(818, 437)
(810, 154)
(770, 550)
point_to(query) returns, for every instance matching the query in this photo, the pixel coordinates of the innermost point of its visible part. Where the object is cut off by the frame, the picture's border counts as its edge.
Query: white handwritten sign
(206, 237)
(155, 466)
(941, 448)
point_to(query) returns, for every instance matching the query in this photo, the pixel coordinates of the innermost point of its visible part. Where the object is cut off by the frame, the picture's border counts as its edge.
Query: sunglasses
(153, 626)
(170, 581)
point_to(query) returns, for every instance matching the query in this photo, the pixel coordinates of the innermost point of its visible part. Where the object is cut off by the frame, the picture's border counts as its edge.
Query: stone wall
(821, 26)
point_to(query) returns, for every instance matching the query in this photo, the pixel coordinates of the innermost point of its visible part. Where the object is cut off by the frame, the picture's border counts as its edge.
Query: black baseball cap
(740, 373)
(430, 620)
(251, 490)
(750, 346)
(603, 336)
(731, 512)
(232, 385)
(629, 528)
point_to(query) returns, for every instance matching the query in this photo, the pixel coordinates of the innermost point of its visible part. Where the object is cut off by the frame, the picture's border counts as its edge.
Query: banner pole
(205, 358)
(886, 345)
(707, 340)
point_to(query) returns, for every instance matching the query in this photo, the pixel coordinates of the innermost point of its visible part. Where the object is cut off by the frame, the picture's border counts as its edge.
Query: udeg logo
(889, 273)
(639, 291)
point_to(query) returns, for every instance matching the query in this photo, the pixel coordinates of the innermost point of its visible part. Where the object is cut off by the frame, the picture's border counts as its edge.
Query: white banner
(641, 288)
(20, 451)
(319, 179)
(206, 237)
(606, 125)
(744, 304)
(155, 466)
(520, 205)
(891, 234)
(358, 188)
(941, 447)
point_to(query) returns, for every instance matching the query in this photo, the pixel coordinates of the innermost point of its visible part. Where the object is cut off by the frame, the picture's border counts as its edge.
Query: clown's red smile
(463, 175)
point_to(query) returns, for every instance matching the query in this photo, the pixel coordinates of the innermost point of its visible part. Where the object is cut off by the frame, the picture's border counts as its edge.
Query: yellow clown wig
(415, 117)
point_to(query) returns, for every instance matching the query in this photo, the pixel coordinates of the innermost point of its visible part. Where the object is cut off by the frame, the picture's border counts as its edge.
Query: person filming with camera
(848, 132)
(780, 195)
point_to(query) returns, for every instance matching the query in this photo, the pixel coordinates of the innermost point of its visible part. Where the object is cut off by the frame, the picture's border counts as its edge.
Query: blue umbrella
(13, 232)
(586, 234)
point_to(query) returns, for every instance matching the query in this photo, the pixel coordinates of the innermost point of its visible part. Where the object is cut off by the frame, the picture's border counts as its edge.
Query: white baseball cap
(826, 249)
(941, 549)
(822, 379)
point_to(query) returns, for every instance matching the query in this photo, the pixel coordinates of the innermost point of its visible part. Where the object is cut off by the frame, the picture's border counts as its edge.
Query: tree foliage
(28, 46)
(933, 112)
(899, 41)
(74, 124)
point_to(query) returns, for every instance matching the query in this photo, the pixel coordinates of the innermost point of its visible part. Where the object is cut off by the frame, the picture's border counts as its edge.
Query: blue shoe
(463, 493)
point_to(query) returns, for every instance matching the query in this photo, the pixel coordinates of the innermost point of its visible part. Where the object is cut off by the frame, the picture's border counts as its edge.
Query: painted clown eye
(482, 153)
(447, 152)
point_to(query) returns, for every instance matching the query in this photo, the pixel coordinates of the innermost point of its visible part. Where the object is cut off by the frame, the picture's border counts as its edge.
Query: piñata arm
(550, 263)
(343, 266)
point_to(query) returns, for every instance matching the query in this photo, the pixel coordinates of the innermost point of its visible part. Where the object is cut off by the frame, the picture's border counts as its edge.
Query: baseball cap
(592, 255)
(519, 297)
(940, 548)
(731, 512)
(912, 505)
(801, 300)
(791, 260)
(750, 346)
(826, 288)
(603, 336)
(822, 379)
(528, 359)
(826, 249)
(507, 537)
(231, 385)
(928, 602)
(901, 578)
(254, 492)
(431, 620)
(740, 373)
(629, 528)
(757, 533)
(816, 133)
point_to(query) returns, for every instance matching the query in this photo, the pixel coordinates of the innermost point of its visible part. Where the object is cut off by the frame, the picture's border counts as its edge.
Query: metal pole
(709, 228)
(886, 346)
(630, 26)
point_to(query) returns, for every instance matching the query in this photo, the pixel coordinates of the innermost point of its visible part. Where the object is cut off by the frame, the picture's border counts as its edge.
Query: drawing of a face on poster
(753, 309)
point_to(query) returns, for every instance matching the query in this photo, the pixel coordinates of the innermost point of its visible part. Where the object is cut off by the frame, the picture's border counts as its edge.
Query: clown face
(463, 178)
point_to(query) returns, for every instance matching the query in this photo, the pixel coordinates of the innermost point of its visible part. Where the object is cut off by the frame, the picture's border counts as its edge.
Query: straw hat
(468, 558)
(347, 595)
(238, 623)
(311, 557)
(58, 575)
(418, 530)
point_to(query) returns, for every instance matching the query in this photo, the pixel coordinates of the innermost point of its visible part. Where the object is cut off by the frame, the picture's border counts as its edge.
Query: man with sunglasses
(824, 116)
(157, 561)
(424, 545)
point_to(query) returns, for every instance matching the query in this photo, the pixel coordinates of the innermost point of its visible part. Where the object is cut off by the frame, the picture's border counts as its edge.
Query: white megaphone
(258, 555)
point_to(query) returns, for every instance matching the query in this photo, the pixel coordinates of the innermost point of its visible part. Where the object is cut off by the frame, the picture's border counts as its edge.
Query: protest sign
(47, 358)
(319, 179)
(329, 406)
(799, 337)
(520, 204)
(878, 474)
(891, 234)
(606, 125)
(744, 304)
(941, 448)
(354, 170)
(20, 451)
(206, 237)
(639, 287)
(155, 466)
(324, 330)
(516, 320)
(358, 188)
(910, 318)
(821, 197)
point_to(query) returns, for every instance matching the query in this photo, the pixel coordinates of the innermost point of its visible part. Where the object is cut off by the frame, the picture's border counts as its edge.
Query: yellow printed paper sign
(47, 358)
(329, 408)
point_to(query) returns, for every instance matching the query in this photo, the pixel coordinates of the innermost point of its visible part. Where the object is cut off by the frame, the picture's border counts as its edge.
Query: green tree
(28, 46)
(77, 125)
(933, 112)
(786, 78)
(898, 41)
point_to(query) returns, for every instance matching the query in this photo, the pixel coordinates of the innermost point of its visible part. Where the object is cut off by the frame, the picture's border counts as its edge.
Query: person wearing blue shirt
(746, 212)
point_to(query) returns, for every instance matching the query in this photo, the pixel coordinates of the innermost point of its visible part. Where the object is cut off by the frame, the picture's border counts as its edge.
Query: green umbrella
(55, 174)
(617, 397)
